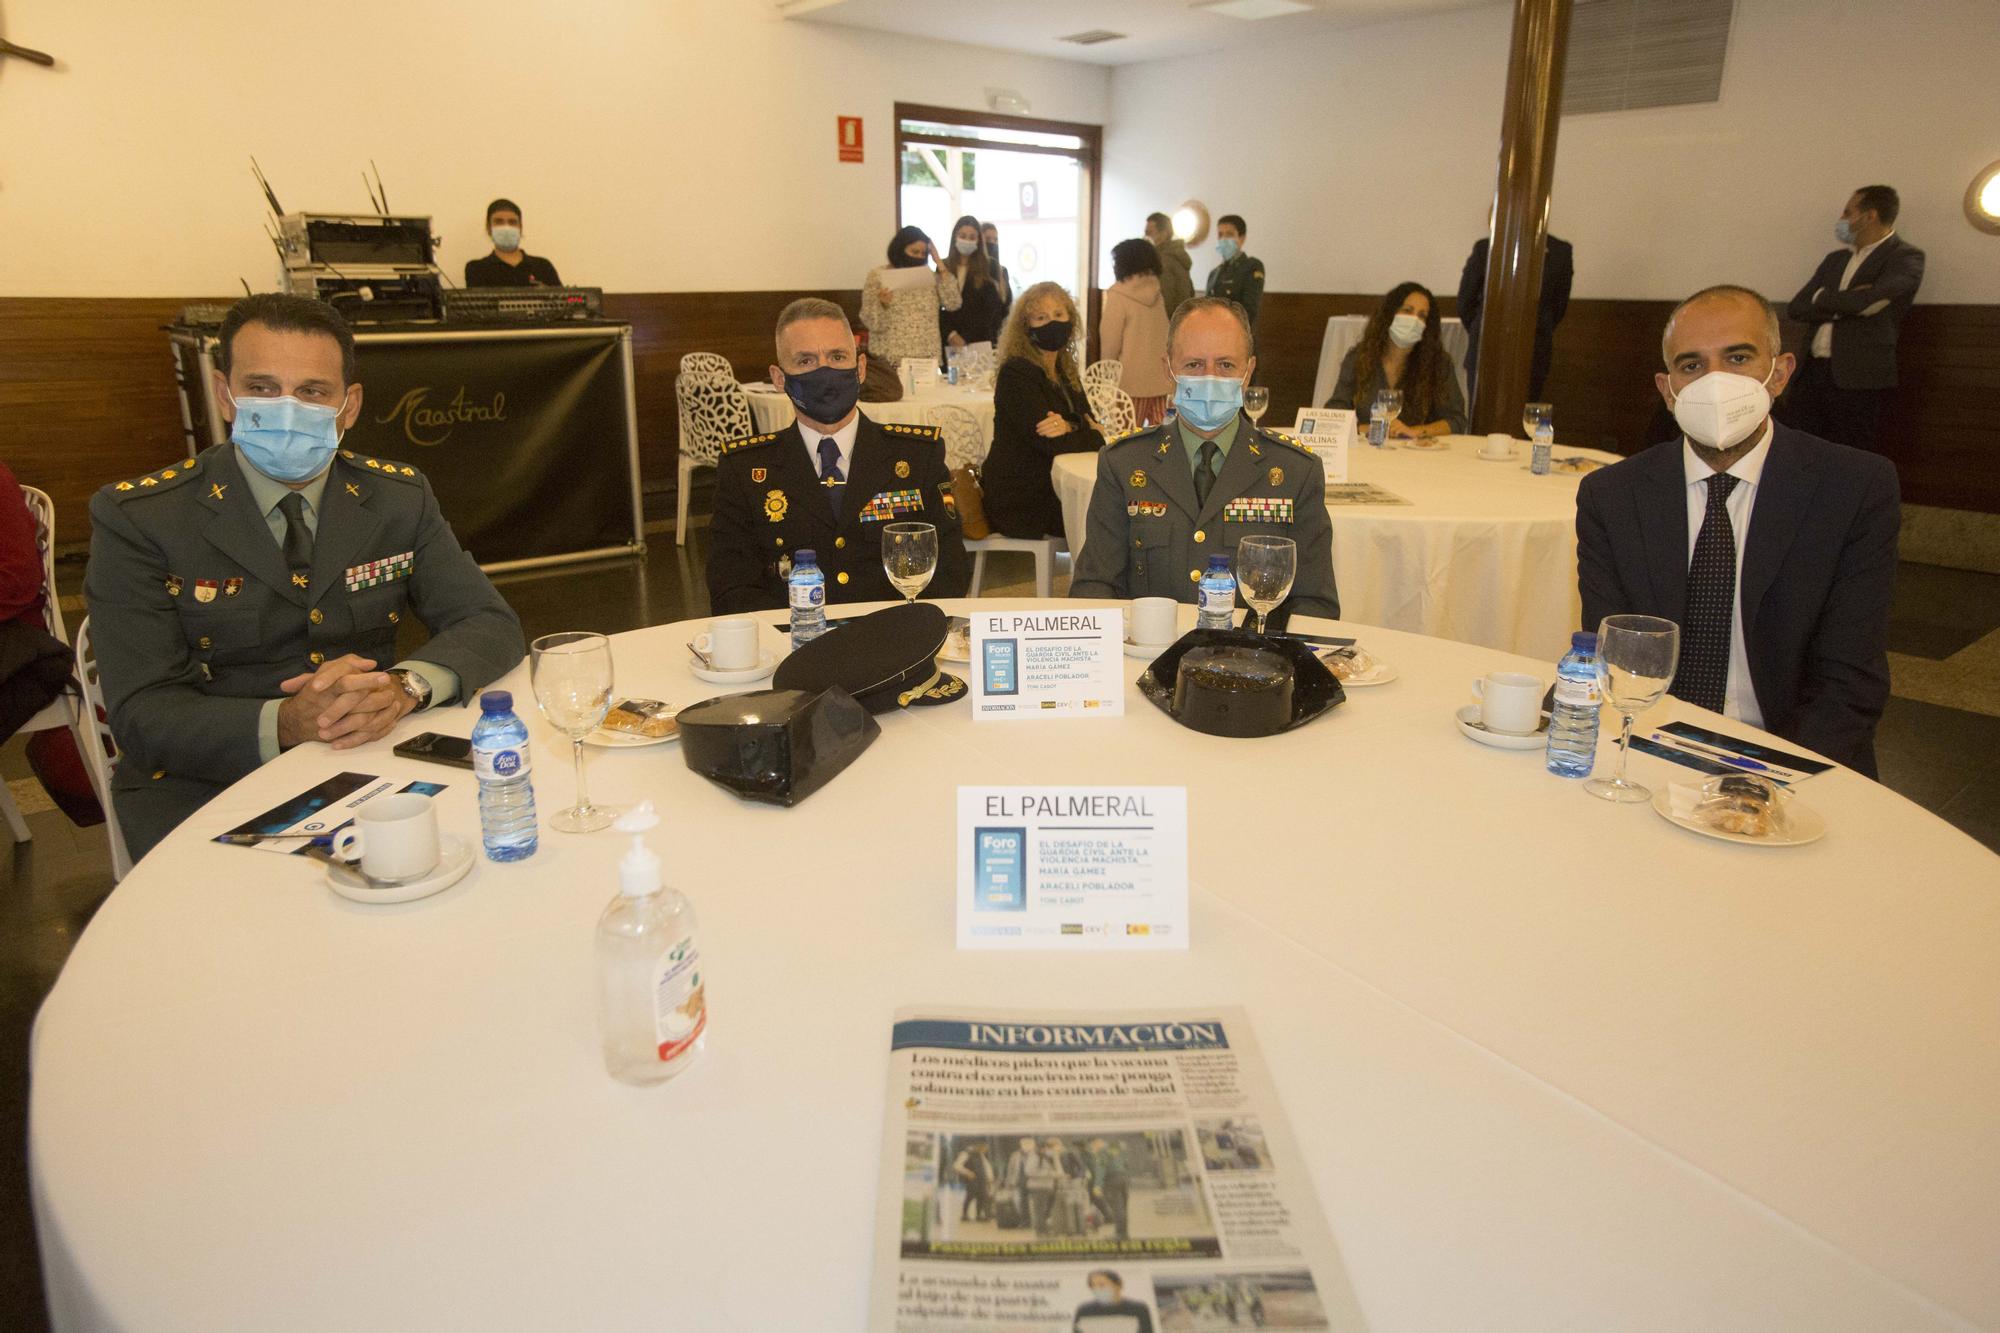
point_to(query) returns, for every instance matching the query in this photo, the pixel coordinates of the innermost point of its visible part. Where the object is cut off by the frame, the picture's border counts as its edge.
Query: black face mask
(1052, 336)
(827, 394)
(904, 259)
(993, 251)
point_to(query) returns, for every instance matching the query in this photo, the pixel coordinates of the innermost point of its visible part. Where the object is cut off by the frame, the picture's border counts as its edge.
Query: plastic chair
(713, 410)
(1108, 373)
(60, 711)
(965, 446)
(1114, 410)
(707, 363)
(93, 737)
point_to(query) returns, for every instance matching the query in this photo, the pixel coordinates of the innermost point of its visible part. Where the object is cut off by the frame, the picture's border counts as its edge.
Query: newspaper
(1361, 493)
(1097, 1172)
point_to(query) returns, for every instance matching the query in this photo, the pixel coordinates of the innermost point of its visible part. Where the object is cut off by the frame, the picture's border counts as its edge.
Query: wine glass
(572, 677)
(1535, 415)
(1265, 567)
(1635, 663)
(1256, 401)
(909, 556)
(1388, 406)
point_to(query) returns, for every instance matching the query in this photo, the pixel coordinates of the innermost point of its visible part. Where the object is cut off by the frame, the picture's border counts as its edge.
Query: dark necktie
(1703, 675)
(298, 537)
(1204, 472)
(829, 473)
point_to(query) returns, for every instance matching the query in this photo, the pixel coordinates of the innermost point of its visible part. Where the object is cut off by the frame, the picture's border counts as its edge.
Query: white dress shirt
(1822, 339)
(844, 437)
(1740, 699)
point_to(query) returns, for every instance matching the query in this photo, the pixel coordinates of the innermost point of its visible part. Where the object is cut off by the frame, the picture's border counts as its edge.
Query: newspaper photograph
(1094, 1173)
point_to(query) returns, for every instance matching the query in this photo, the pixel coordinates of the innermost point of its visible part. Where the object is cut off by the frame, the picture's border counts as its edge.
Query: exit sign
(850, 138)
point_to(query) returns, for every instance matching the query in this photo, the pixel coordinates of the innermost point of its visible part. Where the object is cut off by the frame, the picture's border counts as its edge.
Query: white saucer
(957, 647)
(1147, 651)
(766, 664)
(1473, 729)
(1508, 457)
(625, 740)
(1808, 825)
(1382, 674)
(455, 857)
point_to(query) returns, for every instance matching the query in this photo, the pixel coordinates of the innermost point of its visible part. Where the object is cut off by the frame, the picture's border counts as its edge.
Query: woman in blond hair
(1039, 411)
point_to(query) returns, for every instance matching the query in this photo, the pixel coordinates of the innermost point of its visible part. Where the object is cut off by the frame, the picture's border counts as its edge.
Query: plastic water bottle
(951, 365)
(1573, 724)
(1218, 595)
(808, 597)
(1378, 431)
(653, 1005)
(1545, 443)
(506, 792)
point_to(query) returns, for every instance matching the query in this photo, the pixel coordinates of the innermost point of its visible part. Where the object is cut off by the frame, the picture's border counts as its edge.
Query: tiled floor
(1939, 745)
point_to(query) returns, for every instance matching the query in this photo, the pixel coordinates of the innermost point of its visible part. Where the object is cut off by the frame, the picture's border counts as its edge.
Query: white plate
(1808, 825)
(766, 664)
(1508, 457)
(1469, 723)
(1421, 447)
(1381, 674)
(625, 740)
(957, 647)
(1147, 651)
(455, 856)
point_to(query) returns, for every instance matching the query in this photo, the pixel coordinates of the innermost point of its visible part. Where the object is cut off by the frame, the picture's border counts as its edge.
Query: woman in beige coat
(1133, 331)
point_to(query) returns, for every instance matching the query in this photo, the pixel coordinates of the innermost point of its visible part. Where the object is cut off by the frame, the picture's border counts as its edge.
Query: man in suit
(1168, 498)
(241, 600)
(1558, 272)
(1854, 304)
(827, 482)
(1774, 551)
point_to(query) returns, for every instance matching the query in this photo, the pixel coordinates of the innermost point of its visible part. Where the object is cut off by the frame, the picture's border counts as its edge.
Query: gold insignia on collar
(758, 474)
(1164, 446)
(123, 486)
(902, 468)
(301, 581)
(216, 488)
(1277, 476)
(1255, 452)
(149, 481)
(775, 505)
(1138, 479)
(354, 490)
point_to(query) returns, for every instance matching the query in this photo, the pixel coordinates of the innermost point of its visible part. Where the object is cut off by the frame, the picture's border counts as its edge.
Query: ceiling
(1155, 29)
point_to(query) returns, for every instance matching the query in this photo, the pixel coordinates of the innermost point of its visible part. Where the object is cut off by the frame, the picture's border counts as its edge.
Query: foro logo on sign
(433, 425)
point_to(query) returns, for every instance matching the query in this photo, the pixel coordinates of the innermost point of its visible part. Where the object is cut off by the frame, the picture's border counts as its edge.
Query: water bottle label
(500, 765)
(1217, 601)
(1378, 432)
(1579, 693)
(806, 596)
(680, 1008)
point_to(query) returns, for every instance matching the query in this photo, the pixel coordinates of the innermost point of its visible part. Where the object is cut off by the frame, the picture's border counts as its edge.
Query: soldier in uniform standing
(241, 601)
(827, 482)
(1239, 277)
(1168, 498)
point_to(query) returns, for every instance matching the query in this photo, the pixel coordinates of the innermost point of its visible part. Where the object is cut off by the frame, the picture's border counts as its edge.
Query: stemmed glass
(1636, 656)
(1256, 401)
(909, 556)
(572, 677)
(1265, 567)
(1534, 415)
(1388, 406)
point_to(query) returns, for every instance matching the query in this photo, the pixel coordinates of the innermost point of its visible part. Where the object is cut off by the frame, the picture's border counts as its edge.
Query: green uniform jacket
(1146, 536)
(1241, 280)
(196, 618)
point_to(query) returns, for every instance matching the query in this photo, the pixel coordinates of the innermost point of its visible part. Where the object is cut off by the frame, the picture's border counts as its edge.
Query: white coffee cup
(1510, 702)
(394, 837)
(731, 644)
(1153, 620)
(1497, 446)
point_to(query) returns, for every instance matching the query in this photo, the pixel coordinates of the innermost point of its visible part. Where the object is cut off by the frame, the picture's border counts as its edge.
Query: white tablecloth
(1552, 1063)
(1484, 553)
(773, 411)
(1343, 331)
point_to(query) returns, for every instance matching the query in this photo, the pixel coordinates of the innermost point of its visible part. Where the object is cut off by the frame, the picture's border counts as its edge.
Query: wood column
(1528, 122)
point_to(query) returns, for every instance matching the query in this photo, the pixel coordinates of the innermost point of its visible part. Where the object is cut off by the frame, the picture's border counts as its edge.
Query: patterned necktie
(1204, 472)
(829, 473)
(1703, 675)
(298, 537)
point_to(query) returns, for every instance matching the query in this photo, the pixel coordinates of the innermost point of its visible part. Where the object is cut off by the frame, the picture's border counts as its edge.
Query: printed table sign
(1328, 432)
(1072, 868)
(1048, 663)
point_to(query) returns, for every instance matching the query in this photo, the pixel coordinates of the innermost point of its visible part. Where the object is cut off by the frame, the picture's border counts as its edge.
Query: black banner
(523, 438)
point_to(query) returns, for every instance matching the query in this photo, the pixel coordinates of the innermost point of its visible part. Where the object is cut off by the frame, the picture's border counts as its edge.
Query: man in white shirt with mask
(1773, 550)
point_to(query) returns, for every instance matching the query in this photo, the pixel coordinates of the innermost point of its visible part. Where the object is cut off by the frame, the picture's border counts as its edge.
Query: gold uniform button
(1200, 536)
(1194, 576)
(781, 541)
(395, 618)
(316, 616)
(841, 578)
(206, 642)
(840, 543)
(159, 773)
(315, 658)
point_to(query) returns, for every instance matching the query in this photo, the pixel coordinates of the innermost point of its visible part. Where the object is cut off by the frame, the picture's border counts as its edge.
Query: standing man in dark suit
(1558, 272)
(1773, 550)
(1854, 302)
(827, 482)
(241, 601)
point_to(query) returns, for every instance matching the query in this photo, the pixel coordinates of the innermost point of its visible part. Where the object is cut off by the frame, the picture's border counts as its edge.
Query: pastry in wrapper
(1743, 804)
(651, 718)
(1349, 662)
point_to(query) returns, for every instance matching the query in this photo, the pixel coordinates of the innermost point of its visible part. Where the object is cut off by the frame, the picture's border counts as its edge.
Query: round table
(1551, 1062)
(773, 411)
(1484, 552)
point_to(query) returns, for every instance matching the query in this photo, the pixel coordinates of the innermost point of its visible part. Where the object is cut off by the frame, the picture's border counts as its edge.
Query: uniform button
(841, 577)
(206, 642)
(1194, 576)
(781, 541)
(1200, 536)
(315, 658)
(1138, 543)
(840, 543)
(159, 773)
(395, 618)
(318, 615)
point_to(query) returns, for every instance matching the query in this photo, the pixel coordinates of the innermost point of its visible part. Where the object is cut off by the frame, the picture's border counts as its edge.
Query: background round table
(1484, 553)
(773, 411)
(1551, 1062)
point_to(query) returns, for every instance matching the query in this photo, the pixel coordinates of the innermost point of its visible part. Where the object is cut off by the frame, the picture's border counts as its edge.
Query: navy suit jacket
(1558, 273)
(1819, 567)
(1864, 346)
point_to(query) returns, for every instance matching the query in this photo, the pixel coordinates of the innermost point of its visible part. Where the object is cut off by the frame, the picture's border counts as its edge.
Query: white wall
(656, 145)
(1367, 156)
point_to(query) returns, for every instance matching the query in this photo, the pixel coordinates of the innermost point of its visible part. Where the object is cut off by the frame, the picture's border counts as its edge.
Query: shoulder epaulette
(734, 445)
(1146, 433)
(381, 467)
(921, 432)
(1272, 437)
(155, 482)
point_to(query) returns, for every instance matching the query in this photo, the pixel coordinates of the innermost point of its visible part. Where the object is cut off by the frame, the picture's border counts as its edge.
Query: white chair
(964, 443)
(965, 446)
(60, 711)
(713, 411)
(1103, 372)
(1114, 410)
(707, 363)
(93, 735)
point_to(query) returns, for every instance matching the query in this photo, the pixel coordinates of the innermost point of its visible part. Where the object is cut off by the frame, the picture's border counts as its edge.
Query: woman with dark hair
(1039, 411)
(1401, 349)
(977, 319)
(1133, 329)
(991, 235)
(902, 320)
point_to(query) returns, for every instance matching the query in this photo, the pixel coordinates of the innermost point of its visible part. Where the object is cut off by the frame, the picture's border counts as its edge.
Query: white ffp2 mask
(1721, 409)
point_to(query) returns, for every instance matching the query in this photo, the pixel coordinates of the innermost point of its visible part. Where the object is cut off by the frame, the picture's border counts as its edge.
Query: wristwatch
(414, 685)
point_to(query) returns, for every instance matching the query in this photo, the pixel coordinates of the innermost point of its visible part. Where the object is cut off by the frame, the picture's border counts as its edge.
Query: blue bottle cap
(1218, 561)
(805, 555)
(1584, 641)
(497, 701)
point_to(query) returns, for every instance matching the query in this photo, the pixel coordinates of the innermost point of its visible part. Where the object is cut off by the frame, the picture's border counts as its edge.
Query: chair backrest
(1107, 373)
(716, 411)
(707, 363)
(44, 510)
(964, 443)
(1115, 411)
(93, 737)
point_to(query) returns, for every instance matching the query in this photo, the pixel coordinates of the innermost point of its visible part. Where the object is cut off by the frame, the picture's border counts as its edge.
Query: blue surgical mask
(507, 238)
(1228, 248)
(1206, 402)
(285, 439)
(1843, 231)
